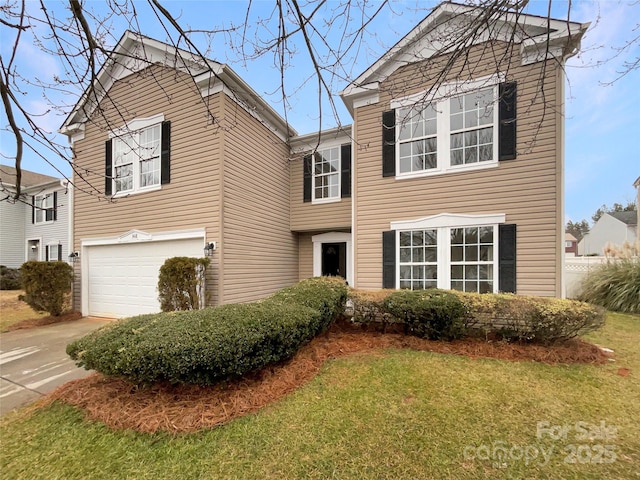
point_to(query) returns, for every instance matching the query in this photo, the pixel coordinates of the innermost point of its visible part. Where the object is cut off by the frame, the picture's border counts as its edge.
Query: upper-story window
(138, 157)
(463, 128)
(326, 174)
(44, 208)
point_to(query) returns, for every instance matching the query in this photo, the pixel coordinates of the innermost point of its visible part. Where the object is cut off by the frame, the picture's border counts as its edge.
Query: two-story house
(36, 226)
(451, 175)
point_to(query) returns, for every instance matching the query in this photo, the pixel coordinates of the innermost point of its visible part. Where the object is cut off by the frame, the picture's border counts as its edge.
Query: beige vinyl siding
(306, 216)
(260, 253)
(305, 256)
(190, 200)
(527, 189)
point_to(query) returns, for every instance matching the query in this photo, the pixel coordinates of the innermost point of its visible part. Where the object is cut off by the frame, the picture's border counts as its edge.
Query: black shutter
(46, 253)
(507, 122)
(165, 154)
(507, 258)
(307, 167)
(55, 206)
(345, 178)
(33, 209)
(389, 143)
(59, 252)
(389, 259)
(108, 171)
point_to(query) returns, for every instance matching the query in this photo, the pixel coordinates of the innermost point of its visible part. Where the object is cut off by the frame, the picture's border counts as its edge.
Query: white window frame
(331, 199)
(41, 208)
(444, 223)
(441, 98)
(48, 248)
(135, 128)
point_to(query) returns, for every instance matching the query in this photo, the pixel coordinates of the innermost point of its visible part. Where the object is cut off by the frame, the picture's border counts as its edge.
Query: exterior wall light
(209, 248)
(74, 256)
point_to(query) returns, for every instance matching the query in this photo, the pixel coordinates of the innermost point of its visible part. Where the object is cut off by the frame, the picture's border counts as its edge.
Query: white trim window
(53, 252)
(473, 124)
(136, 160)
(326, 175)
(417, 139)
(448, 251)
(44, 208)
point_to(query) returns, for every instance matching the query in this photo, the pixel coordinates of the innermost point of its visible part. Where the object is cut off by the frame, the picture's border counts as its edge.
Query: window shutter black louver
(307, 169)
(345, 177)
(108, 171)
(59, 252)
(389, 143)
(507, 258)
(55, 206)
(165, 153)
(507, 121)
(46, 253)
(389, 259)
(33, 209)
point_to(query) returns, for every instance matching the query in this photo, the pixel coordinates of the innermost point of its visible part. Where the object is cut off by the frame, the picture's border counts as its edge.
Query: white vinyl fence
(575, 268)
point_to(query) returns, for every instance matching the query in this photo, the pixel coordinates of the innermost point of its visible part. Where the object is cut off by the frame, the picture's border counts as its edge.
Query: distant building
(570, 245)
(613, 228)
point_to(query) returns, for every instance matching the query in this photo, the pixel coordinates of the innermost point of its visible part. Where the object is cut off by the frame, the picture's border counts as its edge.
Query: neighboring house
(614, 228)
(637, 185)
(570, 245)
(35, 227)
(455, 187)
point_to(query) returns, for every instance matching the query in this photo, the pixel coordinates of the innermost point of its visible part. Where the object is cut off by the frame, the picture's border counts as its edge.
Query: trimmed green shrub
(614, 285)
(47, 285)
(213, 344)
(9, 278)
(531, 319)
(368, 308)
(180, 283)
(434, 314)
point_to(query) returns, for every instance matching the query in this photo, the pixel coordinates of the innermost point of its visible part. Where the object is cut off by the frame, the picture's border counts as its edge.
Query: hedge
(9, 278)
(216, 343)
(180, 283)
(505, 316)
(47, 286)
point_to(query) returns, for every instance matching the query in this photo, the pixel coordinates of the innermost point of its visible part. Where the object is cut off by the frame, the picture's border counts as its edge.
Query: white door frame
(332, 237)
(26, 248)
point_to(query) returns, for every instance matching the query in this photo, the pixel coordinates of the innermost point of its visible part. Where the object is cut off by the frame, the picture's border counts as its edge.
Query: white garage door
(123, 279)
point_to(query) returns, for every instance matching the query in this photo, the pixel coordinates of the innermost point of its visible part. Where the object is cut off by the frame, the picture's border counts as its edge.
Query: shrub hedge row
(47, 286)
(213, 344)
(9, 278)
(438, 314)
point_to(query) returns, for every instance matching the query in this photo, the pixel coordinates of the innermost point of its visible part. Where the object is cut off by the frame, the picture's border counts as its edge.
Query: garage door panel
(122, 279)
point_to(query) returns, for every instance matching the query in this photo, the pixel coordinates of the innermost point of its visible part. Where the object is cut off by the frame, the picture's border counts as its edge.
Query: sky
(602, 125)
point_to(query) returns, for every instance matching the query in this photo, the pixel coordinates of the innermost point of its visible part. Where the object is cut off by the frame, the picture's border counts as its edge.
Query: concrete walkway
(34, 362)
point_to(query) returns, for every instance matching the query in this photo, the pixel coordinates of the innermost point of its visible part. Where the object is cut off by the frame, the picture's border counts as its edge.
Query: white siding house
(35, 227)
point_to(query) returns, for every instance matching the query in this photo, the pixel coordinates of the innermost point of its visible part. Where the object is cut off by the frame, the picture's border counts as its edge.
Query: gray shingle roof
(629, 217)
(29, 179)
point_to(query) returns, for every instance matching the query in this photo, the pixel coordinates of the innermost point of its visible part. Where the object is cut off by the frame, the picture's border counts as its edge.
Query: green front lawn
(401, 414)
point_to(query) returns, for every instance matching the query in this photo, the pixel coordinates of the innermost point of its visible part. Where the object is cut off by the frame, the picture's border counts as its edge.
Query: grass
(13, 310)
(398, 414)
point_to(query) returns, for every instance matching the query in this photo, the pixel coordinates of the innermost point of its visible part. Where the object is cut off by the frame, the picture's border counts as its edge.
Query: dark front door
(334, 259)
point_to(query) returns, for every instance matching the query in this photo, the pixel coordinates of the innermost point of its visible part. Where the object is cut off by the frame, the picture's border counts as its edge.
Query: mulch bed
(42, 321)
(188, 408)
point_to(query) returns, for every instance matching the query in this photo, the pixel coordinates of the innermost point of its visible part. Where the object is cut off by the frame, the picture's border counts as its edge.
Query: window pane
(486, 253)
(485, 272)
(405, 239)
(456, 254)
(486, 135)
(470, 286)
(456, 157)
(486, 153)
(457, 236)
(457, 272)
(471, 235)
(418, 254)
(430, 237)
(471, 272)
(457, 286)
(470, 155)
(431, 272)
(430, 254)
(456, 140)
(456, 121)
(471, 253)
(485, 287)
(486, 235)
(405, 272)
(405, 284)
(471, 138)
(417, 238)
(418, 272)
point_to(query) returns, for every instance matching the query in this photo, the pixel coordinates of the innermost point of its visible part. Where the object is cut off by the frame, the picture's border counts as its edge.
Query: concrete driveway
(33, 362)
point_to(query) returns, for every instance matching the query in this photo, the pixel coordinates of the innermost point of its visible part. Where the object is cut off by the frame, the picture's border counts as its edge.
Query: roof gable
(539, 38)
(629, 217)
(29, 179)
(135, 52)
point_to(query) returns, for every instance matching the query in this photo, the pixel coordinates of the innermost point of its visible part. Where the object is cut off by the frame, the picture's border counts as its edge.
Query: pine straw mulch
(188, 408)
(42, 321)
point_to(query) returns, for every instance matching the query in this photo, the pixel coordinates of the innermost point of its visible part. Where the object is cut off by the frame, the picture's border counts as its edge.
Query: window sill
(455, 169)
(326, 200)
(128, 193)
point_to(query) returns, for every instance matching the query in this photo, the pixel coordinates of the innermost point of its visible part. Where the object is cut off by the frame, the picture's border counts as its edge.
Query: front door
(334, 259)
